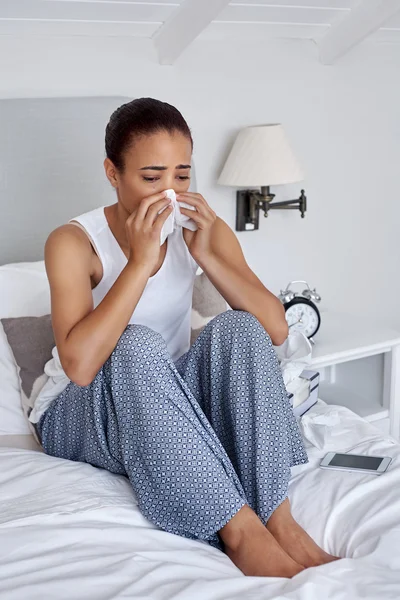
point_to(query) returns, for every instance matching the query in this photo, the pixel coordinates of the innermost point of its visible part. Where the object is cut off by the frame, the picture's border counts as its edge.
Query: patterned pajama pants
(197, 438)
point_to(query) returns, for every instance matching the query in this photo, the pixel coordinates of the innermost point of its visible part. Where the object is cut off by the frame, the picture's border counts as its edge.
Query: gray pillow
(31, 340)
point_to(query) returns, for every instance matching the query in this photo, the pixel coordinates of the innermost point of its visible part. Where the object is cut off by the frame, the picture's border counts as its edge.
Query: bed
(69, 530)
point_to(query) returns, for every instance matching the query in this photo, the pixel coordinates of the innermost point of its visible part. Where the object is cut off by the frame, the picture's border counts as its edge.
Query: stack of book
(303, 392)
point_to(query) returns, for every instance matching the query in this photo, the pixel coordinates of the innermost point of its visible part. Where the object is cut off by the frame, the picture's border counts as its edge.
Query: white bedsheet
(70, 531)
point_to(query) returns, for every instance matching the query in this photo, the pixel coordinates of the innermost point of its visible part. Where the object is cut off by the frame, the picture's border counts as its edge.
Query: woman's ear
(111, 172)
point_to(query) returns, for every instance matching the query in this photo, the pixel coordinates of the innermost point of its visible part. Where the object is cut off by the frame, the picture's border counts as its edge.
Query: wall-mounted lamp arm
(250, 202)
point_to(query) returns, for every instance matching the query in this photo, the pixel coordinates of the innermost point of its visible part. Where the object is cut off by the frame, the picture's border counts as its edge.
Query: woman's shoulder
(66, 246)
(70, 261)
(67, 237)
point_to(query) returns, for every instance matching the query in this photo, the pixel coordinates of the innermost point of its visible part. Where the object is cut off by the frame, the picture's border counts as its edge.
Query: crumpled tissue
(176, 218)
(294, 356)
(340, 429)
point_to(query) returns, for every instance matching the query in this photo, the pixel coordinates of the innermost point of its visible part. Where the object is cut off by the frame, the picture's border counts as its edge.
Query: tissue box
(312, 393)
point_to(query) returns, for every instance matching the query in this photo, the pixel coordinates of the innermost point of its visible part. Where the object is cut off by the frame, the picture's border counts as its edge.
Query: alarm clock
(301, 311)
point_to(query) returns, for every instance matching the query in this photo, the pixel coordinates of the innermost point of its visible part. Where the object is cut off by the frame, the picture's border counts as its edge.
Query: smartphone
(355, 462)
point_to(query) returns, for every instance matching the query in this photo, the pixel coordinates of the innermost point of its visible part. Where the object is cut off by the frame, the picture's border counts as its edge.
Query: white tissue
(339, 428)
(176, 218)
(294, 356)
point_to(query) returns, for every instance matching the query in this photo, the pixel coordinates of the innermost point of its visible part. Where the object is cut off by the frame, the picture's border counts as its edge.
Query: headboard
(51, 168)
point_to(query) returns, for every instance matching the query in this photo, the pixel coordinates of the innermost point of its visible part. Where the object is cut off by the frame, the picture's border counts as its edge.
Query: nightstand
(359, 363)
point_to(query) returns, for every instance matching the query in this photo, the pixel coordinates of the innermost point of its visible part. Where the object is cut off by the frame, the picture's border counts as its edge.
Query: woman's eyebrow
(162, 168)
(153, 168)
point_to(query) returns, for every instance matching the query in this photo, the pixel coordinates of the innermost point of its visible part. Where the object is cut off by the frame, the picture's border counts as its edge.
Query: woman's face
(153, 164)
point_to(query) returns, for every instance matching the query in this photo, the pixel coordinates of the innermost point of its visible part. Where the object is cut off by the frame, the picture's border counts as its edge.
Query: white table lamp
(260, 157)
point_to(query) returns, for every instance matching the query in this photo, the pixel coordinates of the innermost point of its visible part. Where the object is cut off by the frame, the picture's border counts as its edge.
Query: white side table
(359, 363)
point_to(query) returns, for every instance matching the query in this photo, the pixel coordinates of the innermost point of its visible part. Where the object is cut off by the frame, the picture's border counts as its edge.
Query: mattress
(71, 531)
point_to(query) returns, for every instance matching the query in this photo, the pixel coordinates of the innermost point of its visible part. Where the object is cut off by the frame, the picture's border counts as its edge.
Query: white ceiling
(253, 19)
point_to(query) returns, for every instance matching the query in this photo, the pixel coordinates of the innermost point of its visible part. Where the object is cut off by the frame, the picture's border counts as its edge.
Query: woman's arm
(230, 274)
(217, 250)
(85, 338)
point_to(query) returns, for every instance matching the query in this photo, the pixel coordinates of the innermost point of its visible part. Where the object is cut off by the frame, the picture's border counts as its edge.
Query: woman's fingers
(196, 216)
(162, 217)
(146, 203)
(197, 201)
(154, 209)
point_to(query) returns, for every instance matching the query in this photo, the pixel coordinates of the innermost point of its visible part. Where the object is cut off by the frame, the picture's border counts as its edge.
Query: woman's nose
(169, 183)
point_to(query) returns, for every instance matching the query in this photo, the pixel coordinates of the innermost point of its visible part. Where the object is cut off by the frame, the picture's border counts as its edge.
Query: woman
(205, 433)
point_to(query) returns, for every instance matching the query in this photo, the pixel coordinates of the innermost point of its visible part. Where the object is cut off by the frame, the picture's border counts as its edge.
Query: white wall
(343, 122)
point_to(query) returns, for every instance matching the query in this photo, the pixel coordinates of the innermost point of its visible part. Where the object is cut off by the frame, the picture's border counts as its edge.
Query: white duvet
(70, 531)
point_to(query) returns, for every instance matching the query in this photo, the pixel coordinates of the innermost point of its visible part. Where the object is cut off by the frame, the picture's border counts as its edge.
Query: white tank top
(165, 304)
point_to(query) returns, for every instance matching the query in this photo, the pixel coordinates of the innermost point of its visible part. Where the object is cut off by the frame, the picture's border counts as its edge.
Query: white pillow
(12, 420)
(24, 292)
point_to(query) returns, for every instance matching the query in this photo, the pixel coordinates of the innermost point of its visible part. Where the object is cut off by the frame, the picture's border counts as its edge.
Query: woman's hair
(138, 118)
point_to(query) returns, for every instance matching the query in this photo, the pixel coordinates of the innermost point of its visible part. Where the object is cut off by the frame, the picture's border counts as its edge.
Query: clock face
(302, 317)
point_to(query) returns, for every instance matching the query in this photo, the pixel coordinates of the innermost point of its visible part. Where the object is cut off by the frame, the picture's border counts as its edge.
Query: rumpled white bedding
(70, 531)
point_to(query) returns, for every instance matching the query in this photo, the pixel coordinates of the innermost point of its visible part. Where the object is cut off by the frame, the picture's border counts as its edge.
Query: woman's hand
(143, 229)
(204, 217)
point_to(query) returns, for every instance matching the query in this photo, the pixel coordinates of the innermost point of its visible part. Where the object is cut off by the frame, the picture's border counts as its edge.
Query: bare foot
(294, 540)
(253, 549)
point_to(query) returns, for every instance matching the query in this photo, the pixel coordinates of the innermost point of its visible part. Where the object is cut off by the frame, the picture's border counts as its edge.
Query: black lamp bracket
(250, 202)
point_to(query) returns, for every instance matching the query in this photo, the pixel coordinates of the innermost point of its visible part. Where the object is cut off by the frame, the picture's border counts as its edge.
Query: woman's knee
(140, 340)
(241, 322)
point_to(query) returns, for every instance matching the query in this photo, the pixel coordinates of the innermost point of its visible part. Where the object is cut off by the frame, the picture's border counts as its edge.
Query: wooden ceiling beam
(361, 21)
(185, 24)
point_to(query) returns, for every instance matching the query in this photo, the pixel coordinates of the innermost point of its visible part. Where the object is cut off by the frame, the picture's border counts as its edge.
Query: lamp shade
(261, 156)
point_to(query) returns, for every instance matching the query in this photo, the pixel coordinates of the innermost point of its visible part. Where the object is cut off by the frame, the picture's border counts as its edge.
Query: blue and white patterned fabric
(198, 438)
